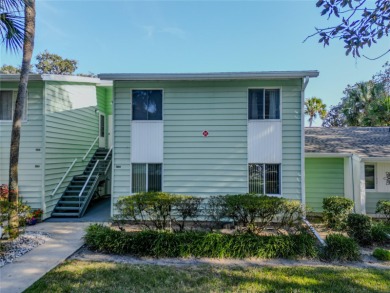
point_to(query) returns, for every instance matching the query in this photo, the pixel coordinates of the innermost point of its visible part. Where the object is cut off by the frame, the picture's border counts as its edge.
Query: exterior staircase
(82, 188)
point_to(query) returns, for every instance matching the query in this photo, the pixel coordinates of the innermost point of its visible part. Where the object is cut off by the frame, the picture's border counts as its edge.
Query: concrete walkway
(65, 239)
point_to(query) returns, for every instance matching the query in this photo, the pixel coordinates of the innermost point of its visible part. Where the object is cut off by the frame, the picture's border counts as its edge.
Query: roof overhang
(328, 155)
(375, 159)
(51, 77)
(209, 76)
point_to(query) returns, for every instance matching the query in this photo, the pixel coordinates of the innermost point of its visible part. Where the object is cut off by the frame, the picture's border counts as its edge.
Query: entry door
(102, 130)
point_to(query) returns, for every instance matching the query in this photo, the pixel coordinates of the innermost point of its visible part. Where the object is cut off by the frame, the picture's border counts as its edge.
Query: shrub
(383, 207)
(154, 207)
(187, 208)
(198, 244)
(215, 210)
(336, 210)
(341, 248)
(24, 213)
(290, 215)
(359, 228)
(380, 232)
(252, 211)
(382, 254)
(3, 192)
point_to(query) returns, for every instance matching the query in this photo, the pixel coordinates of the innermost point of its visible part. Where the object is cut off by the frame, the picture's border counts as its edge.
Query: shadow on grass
(78, 276)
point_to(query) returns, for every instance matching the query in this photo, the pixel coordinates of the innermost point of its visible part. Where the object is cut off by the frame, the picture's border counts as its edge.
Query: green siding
(216, 164)
(324, 177)
(69, 134)
(372, 198)
(31, 146)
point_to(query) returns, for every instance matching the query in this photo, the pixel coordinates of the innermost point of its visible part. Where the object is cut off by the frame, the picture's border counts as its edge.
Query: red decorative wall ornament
(205, 133)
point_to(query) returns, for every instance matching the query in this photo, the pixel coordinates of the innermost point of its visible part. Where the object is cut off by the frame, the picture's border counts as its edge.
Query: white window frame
(264, 178)
(147, 177)
(147, 89)
(14, 96)
(375, 177)
(265, 88)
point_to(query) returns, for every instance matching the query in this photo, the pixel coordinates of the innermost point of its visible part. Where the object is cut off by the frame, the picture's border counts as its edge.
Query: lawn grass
(80, 276)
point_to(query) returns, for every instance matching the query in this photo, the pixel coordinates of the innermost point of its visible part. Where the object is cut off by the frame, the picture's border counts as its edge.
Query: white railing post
(90, 148)
(89, 177)
(63, 177)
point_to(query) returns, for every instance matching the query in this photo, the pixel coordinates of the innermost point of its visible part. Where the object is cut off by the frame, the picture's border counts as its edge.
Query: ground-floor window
(369, 171)
(146, 177)
(264, 178)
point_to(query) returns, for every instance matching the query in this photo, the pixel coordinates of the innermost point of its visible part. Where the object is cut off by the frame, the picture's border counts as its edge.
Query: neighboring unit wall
(31, 146)
(372, 199)
(216, 164)
(71, 128)
(382, 188)
(324, 178)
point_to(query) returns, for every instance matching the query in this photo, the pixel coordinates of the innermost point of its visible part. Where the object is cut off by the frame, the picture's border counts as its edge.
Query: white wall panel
(147, 142)
(381, 177)
(264, 141)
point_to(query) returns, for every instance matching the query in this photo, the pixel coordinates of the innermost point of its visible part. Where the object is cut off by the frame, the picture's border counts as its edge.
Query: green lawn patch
(79, 276)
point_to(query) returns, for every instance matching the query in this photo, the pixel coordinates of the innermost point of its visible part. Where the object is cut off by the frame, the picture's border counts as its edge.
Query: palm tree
(313, 107)
(11, 32)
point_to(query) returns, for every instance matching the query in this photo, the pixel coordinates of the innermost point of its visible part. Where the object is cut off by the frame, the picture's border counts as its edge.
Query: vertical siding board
(31, 146)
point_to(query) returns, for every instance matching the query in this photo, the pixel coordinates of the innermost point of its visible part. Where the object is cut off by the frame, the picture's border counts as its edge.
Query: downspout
(353, 184)
(305, 81)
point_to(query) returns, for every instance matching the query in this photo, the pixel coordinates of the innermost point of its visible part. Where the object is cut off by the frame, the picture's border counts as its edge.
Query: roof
(362, 141)
(51, 77)
(211, 75)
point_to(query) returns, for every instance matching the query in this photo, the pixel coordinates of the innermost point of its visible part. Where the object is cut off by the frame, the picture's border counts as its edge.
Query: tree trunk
(28, 46)
(310, 121)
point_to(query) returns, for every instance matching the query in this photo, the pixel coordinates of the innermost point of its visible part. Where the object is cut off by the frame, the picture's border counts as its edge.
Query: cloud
(151, 31)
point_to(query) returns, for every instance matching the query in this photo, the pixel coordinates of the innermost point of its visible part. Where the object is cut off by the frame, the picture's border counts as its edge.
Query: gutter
(328, 155)
(210, 75)
(305, 82)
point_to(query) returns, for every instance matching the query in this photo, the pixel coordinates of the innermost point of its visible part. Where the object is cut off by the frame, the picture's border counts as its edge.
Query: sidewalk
(65, 239)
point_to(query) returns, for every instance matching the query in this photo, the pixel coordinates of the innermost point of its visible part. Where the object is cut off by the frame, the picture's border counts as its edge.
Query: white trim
(210, 76)
(328, 155)
(305, 81)
(376, 159)
(51, 77)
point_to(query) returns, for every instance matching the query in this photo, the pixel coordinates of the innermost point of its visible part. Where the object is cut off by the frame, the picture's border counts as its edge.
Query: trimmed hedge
(341, 248)
(198, 244)
(336, 211)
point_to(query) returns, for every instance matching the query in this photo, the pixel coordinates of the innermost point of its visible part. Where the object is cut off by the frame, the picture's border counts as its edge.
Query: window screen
(146, 177)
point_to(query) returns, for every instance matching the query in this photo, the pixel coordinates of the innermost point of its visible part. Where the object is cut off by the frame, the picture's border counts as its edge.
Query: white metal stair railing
(73, 163)
(98, 173)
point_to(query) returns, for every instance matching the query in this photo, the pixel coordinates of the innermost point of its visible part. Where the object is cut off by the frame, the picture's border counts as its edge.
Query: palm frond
(11, 31)
(11, 5)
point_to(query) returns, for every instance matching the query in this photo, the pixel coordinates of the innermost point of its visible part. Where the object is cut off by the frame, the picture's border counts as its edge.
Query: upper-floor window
(147, 104)
(7, 106)
(264, 104)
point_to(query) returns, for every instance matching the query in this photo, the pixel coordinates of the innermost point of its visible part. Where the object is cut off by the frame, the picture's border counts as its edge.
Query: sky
(199, 36)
